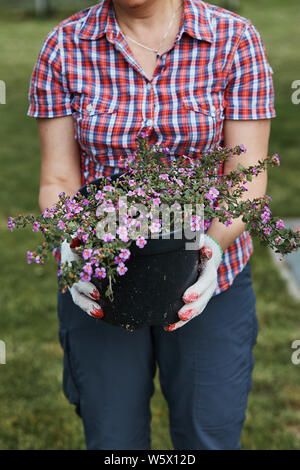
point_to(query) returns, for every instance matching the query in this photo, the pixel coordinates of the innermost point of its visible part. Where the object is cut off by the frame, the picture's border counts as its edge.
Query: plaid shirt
(216, 70)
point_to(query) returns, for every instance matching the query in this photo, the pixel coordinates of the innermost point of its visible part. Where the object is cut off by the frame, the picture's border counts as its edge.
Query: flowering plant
(153, 183)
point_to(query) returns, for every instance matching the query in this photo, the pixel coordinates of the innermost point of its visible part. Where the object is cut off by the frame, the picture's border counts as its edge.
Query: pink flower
(123, 234)
(276, 159)
(29, 257)
(99, 196)
(124, 254)
(265, 217)
(48, 213)
(108, 237)
(141, 242)
(122, 269)
(155, 227)
(61, 225)
(213, 193)
(88, 269)
(280, 224)
(35, 227)
(228, 222)
(85, 277)
(100, 273)
(156, 201)
(87, 253)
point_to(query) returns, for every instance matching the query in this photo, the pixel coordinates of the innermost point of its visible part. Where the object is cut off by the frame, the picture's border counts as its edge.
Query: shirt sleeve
(250, 93)
(49, 95)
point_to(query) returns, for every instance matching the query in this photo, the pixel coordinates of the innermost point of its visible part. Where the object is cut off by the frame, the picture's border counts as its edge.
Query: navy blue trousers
(204, 370)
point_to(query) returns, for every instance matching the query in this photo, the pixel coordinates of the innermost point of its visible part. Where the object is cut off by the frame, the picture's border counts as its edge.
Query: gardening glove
(82, 293)
(197, 296)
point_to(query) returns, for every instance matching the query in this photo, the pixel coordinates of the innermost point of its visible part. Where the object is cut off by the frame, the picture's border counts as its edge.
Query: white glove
(197, 296)
(81, 292)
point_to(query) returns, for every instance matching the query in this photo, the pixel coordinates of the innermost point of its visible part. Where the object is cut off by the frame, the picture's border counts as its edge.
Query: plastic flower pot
(150, 293)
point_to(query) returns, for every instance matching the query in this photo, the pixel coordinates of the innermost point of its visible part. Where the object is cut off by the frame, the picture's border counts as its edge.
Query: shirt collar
(197, 21)
(101, 20)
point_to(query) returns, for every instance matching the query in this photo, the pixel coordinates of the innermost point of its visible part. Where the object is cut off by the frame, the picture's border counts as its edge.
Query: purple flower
(58, 272)
(228, 222)
(164, 176)
(35, 227)
(124, 254)
(87, 253)
(265, 217)
(141, 242)
(85, 237)
(108, 237)
(61, 225)
(276, 159)
(37, 259)
(122, 269)
(85, 277)
(267, 230)
(123, 234)
(10, 224)
(48, 213)
(278, 240)
(100, 273)
(94, 261)
(213, 193)
(206, 224)
(99, 196)
(280, 224)
(29, 257)
(87, 268)
(156, 201)
(108, 188)
(155, 227)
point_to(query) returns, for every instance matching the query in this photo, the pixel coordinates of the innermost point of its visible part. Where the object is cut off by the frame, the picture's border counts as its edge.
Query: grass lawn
(34, 413)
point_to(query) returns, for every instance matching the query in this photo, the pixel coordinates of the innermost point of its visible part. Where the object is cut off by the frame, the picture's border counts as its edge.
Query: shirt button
(89, 108)
(150, 122)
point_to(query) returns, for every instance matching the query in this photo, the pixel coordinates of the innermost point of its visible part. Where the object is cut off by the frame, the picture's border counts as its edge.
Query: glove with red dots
(83, 293)
(197, 296)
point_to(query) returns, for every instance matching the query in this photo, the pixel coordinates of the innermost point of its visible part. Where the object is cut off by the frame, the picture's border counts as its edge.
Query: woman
(191, 75)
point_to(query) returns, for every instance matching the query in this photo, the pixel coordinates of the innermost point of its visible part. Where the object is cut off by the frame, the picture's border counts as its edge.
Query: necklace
(156, 51)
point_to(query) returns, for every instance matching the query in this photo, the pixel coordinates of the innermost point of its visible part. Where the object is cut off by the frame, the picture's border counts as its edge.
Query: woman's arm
(61, 172)
(60, 168)
(254, 135)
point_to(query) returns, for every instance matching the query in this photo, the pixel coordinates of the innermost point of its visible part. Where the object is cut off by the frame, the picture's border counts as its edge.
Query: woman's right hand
(82, 292)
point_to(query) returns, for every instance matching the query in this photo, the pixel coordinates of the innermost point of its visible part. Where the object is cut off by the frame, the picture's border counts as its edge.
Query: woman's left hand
(197, 296)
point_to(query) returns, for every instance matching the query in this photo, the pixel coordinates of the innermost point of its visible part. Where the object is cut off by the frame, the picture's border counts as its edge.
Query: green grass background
(33, 411)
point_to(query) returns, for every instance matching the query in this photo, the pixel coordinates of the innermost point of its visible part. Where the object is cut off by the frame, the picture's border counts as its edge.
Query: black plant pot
(150, 293)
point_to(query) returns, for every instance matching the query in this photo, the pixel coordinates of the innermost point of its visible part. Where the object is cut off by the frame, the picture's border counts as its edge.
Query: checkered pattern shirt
(217, 69)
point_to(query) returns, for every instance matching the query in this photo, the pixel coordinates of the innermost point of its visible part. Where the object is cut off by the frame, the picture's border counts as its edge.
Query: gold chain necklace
(156, 51)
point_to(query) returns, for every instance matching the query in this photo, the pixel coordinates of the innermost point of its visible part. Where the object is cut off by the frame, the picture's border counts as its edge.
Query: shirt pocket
(95, 121)
(202, 121)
